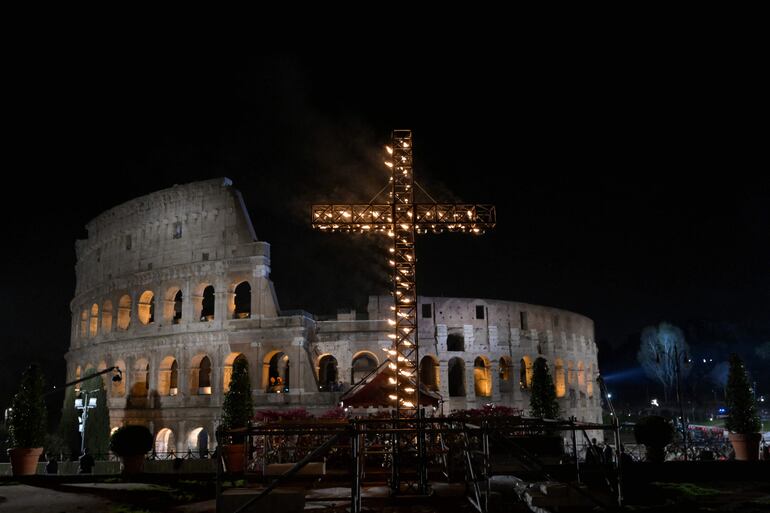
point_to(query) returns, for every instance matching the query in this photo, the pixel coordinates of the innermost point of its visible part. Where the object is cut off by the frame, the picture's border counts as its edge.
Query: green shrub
(27, 424)
(742, 415)
(131, 441)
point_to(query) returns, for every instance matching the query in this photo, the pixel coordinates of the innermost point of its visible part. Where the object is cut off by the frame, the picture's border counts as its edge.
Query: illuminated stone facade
(174, 286)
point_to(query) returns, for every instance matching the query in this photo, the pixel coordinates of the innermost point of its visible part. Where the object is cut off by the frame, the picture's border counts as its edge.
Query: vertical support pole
(355, 449)
(619, 459)
(574, 447)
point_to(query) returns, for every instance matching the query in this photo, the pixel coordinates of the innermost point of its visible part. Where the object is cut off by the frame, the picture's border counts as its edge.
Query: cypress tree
(742, 415)
(237, 408)
(542, 400)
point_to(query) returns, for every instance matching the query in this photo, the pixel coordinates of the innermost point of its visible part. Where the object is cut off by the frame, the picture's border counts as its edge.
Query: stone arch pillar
(494, 369)
(220, 305)
(443, 384)
(470, 380)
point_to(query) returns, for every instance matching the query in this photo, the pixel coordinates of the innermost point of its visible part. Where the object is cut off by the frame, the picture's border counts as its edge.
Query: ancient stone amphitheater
(174, 286)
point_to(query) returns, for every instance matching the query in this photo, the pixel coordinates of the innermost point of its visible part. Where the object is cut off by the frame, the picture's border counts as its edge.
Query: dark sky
(631, 184)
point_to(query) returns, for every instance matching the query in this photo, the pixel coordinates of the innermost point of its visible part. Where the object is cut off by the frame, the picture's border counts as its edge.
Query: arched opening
(118, 388)
(168, 376)
(581, 376)
(124, 312)
(207, 305)
(146, 307)
(93, 327)
(559, 381)
(177, 318)
(327, 374)
(525, 373)
(481, 381)
(84, 323)
(107, 316)
(429, 372)
(141, 384)
(278, 373)
(363, 364)
(455, 342)
(204, 376)
(165, 445)
(590, 381)
(198, 442)
(227, 373)
(456, 369)
(506, 375)
(242, 301)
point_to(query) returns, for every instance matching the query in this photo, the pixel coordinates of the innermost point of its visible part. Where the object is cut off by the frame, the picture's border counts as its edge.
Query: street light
(83, 405)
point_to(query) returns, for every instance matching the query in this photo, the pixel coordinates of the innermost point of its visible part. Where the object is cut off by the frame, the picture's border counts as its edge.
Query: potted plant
(655, 433)
(131, 443)
(27, 423)
(742, 419)
(237, 410)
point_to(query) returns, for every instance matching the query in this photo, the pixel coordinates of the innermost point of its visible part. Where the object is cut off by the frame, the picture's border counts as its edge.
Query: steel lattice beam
(402, 219)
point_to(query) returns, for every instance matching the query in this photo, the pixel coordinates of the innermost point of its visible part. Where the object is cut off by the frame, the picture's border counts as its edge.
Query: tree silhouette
(660, 347)
(542, 401)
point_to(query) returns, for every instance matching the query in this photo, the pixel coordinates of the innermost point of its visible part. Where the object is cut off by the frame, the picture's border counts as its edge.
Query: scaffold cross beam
(401, 219)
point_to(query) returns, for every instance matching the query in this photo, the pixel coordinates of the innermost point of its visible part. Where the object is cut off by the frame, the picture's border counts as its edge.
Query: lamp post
(83, 404)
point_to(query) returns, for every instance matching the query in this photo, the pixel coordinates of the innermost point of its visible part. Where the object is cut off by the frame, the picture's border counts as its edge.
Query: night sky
(631, 186)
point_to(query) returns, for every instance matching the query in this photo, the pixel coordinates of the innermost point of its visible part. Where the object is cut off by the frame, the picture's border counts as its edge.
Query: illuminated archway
(146, 307)
(227, 373)
(242, 301)
(558, 377)
(93, 325)
(429, 372)
(481, 379)
(327, 373)
(107, 316)
(165, 444)
(124, 312)
(364, 363)
(506, 375)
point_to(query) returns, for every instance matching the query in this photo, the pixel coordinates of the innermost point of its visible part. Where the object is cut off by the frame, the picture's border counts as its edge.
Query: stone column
(196, 304)
(229, 299)
(181, 438)
(296, 362)
(188, 315)
(443, 384)
(255, 370)
(470, 383)
(220, 301)
(495, 377)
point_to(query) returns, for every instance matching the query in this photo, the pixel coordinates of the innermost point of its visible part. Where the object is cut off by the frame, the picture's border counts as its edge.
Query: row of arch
(100, 319)
(430, 376)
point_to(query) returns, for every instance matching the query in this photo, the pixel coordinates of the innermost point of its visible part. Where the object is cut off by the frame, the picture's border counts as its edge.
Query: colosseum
(174, 286)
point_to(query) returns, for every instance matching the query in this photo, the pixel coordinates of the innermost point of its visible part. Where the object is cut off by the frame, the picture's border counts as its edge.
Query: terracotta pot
(133, 464)
(235, 458)
(24, 461)
(746, 446)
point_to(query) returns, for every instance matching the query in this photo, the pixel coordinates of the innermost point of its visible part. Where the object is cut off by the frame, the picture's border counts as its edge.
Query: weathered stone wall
(145, 305)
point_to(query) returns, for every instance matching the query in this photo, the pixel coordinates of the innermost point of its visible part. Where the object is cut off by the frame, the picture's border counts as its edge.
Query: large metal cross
(402, 219)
